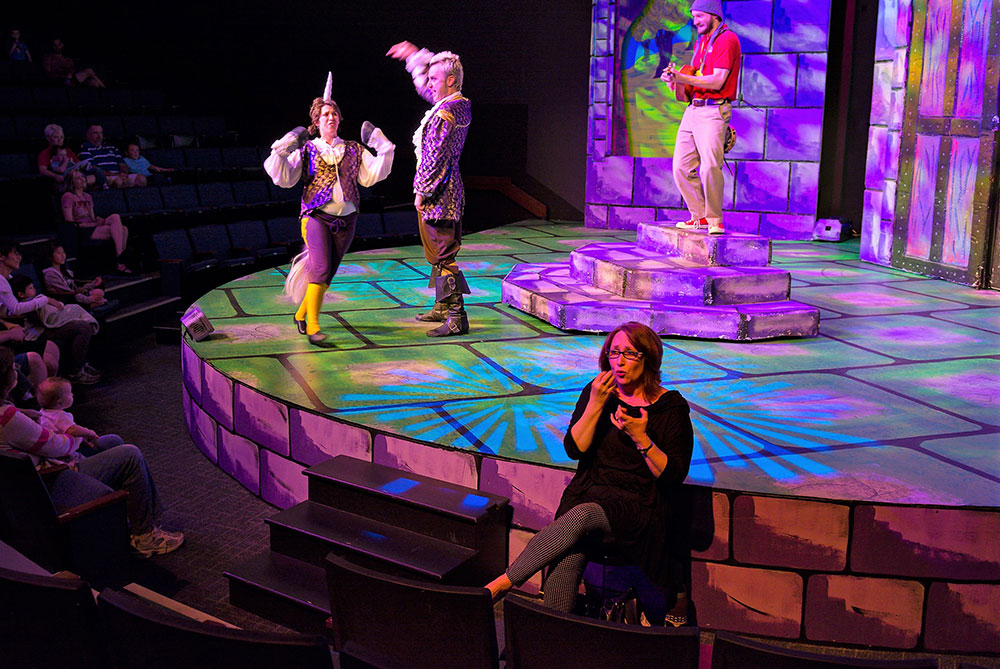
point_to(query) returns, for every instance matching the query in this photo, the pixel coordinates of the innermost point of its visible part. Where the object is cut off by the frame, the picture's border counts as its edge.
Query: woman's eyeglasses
(628, 355)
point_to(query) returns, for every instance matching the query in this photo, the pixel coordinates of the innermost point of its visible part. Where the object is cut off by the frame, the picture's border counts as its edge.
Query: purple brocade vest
(438, 174)
(318, 178)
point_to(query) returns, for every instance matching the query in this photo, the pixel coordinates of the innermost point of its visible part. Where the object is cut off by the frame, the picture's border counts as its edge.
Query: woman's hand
(634, 427)
(603, 388)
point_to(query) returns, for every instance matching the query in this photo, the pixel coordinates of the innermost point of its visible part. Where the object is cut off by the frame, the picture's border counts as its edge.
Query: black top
(613, 473)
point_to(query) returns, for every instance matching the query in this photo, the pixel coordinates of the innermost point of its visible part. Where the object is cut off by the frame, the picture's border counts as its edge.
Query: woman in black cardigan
(633, 438)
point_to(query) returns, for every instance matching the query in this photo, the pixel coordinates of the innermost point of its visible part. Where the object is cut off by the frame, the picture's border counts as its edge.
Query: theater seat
(49, 622)
(148, 636)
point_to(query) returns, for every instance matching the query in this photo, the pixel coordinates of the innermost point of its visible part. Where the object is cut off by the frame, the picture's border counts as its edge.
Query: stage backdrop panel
(771, 188)
(932, 138)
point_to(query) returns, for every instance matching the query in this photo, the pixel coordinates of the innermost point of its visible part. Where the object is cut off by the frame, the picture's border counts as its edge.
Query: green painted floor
(896, 400)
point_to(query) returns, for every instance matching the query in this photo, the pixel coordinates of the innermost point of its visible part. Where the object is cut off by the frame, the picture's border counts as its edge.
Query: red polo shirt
(725, 55)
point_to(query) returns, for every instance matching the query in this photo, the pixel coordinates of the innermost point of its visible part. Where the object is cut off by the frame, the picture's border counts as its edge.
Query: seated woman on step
(634, 441)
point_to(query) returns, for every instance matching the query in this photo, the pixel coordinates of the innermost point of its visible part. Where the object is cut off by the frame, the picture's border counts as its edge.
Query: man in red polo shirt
(698, 151)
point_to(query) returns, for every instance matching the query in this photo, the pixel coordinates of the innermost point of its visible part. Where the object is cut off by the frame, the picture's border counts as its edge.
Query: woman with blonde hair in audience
(78, 207)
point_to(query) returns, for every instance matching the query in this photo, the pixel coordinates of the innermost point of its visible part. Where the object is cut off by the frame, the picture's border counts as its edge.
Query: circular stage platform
(848, 483)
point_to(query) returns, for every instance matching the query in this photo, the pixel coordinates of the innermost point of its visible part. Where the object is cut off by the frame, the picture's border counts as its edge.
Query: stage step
(309, 530)
(630, 271)
(732, 249)
(288, 591)
(438, 509)
(551, 293)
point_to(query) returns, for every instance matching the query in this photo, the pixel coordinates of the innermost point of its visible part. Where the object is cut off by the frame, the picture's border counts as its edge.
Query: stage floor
(897, 400)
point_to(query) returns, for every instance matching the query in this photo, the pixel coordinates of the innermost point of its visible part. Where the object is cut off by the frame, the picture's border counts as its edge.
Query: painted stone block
(610, 180)
(794, 134)
(261, 419)
(798, 534)
(599, 91)
(864, 611)
(889, 202)
(595, 216)
(810, 91)
(892, 155)
(881, 88)
(742, 221)
(598, 130)
(803, 188)
(749, 126)
(191, 371)
(518, 540)
(899, 34)
(710, 540)
(703, 249)
(963, 617)
(533, 490)
(654, 184)
(885, 25)
(217, 396)
(751, 20)
(747, 600)
(800, 25)
(779, 319)
(875, 161)
(728, 185)
(762, 186)
(282, 482)
(600, 69)
(316, 438)
(673, 215)
(787, 226)
(876, 234)
(900, 59)
(921, 542)
(439, 463)
(204, 432)
(769, 79)
(240, 458)
(897, 100)
(629, 218)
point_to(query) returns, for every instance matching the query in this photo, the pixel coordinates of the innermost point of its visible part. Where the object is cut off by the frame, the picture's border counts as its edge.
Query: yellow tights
(309, 309)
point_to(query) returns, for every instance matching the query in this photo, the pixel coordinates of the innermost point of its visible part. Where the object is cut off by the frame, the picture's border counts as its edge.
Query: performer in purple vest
(437, 186)
(330, 169)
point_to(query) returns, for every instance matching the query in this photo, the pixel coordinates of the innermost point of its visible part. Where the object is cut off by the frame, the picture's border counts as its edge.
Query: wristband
(645, 450)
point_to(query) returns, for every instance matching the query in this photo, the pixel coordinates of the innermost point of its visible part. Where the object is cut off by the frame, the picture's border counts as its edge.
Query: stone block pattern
(784, 45)
(882, 576)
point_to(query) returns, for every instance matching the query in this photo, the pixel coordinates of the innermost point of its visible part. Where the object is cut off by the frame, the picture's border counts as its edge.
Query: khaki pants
(698, 159)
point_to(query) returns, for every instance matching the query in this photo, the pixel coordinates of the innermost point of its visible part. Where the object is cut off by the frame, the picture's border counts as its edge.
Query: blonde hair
(50, 390)
(453, 66)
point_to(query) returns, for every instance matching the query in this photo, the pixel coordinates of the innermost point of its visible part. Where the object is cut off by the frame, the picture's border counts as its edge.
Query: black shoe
(453, 325)
(301, 325)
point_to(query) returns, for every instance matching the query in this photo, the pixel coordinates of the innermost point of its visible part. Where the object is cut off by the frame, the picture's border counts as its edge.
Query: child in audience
(55, 396)
(69, 323)
(138, 164)
(61, 284)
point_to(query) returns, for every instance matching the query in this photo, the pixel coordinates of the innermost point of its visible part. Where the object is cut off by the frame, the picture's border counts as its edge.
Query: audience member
(633, 439)
(55, 395)
(56, 160)
(17, 50)
(78, 207)
(10, 262)
(31, 368)
(108, 158)
(140, 166)
(21, 66)
(58, 66)
(70, 324)
(117, 468)
(61, 283)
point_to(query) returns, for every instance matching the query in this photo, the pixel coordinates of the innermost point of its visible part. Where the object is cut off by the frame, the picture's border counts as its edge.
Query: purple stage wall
(632, 122)
(931, 138)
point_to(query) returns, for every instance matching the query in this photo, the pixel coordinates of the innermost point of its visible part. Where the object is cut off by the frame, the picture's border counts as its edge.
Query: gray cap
(708, 6)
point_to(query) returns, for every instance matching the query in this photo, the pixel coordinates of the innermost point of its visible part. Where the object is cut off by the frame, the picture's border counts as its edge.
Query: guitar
(683, 92)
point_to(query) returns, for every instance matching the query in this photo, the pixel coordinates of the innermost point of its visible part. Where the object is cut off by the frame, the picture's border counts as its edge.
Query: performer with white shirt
(330, 169)
(439, 196)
